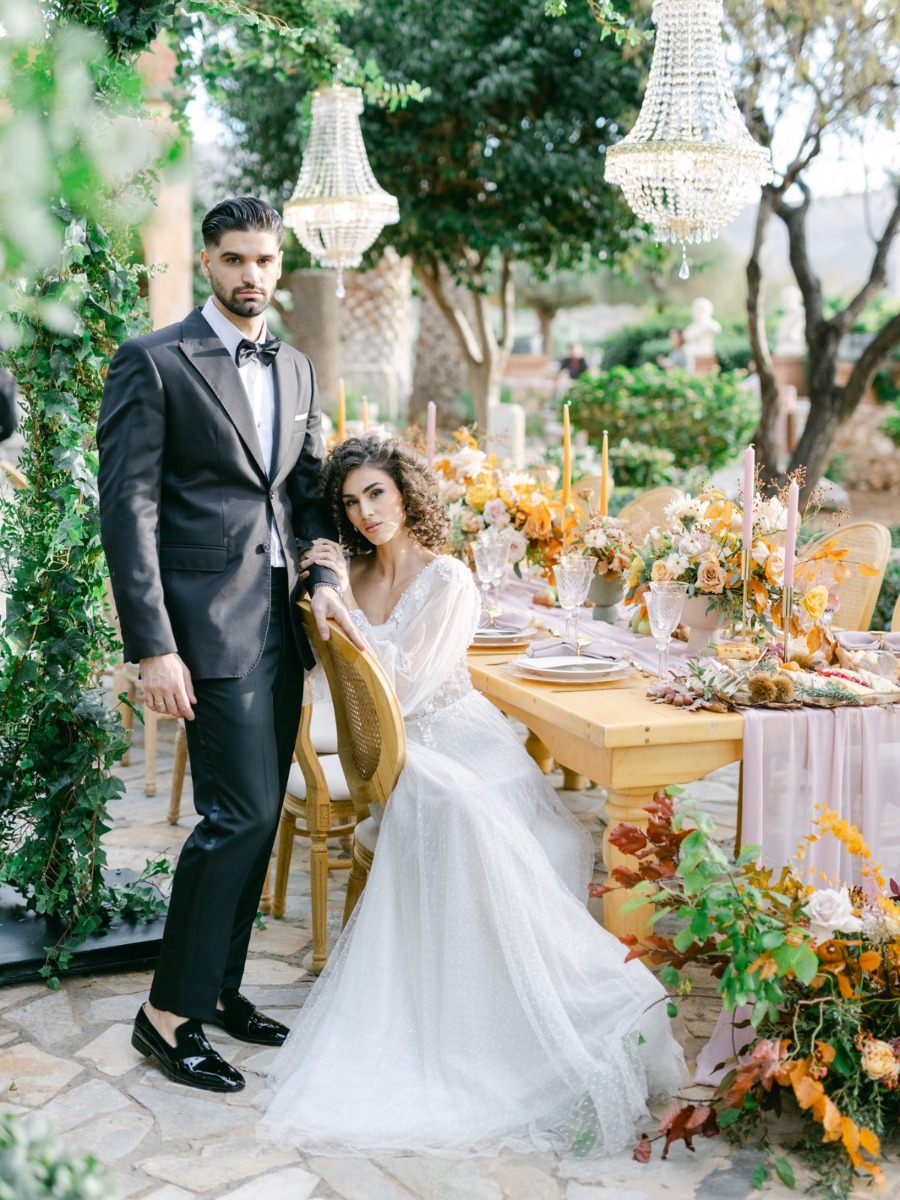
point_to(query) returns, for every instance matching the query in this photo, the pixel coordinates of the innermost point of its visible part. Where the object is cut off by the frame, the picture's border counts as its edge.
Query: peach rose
(660, 572)
(711, 578)
(879, 1061)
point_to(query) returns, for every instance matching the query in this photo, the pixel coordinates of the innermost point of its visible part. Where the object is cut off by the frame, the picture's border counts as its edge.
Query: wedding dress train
(472, 1003)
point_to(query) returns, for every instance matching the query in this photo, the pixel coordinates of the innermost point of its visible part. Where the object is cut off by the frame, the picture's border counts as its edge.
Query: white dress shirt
(259, 384)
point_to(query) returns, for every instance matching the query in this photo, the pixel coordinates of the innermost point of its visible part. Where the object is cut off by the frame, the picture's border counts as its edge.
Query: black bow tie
(263, 352)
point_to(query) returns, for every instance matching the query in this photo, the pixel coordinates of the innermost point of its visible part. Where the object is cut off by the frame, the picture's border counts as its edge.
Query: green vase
(606, 595)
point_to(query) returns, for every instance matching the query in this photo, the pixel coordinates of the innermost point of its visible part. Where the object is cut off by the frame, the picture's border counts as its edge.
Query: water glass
(665, 600)
(574, 573)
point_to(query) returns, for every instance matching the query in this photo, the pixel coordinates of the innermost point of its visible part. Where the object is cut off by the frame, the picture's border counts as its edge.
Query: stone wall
(871, 461)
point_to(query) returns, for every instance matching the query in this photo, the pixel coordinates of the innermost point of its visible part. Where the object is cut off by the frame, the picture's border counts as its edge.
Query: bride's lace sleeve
(424, 641)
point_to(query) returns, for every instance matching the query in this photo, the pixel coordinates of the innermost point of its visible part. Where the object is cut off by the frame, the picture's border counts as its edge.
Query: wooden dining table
(615, 735)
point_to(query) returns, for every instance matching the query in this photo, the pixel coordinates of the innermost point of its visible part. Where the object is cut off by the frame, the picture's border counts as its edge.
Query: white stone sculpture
(790, 336)
(700, 334)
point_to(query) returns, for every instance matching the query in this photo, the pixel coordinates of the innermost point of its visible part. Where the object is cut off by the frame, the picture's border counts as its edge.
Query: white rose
(596, 539)
(830, 912)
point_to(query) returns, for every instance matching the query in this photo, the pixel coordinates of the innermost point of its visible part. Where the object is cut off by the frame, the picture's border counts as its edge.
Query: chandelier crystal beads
(689, 165)
(338, 209)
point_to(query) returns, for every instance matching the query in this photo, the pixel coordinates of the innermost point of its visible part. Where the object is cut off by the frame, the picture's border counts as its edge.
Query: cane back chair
(371, 738)
(868, 546)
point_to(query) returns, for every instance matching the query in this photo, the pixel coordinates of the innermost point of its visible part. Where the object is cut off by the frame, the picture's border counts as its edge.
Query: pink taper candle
(749, 488)
(430, 428)
(604, 475)
(790, 536)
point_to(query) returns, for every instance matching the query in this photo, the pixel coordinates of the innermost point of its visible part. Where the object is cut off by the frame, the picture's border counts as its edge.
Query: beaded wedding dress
(472, 1002)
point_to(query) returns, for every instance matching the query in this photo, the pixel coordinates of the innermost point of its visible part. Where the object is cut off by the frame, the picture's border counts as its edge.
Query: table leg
(572, 781)
(539, 752)
(628, 807)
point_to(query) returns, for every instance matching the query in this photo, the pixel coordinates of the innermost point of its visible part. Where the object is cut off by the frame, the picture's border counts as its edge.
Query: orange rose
(539, 524)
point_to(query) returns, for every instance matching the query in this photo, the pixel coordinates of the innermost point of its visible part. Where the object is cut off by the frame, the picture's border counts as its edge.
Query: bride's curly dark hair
(425, 517)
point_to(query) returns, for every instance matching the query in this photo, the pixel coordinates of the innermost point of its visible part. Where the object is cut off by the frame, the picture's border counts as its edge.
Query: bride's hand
(324, 553)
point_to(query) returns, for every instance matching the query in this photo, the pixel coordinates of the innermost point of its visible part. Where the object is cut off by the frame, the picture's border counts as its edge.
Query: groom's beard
(241, 307)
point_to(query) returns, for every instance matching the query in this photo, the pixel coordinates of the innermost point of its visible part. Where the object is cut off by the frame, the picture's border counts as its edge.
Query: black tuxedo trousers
(240, 744)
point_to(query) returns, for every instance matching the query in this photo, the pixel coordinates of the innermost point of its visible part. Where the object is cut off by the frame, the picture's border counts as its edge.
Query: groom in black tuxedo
(210, 453)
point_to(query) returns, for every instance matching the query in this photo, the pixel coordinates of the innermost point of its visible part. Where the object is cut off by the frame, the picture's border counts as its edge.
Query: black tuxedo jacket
(186, 500)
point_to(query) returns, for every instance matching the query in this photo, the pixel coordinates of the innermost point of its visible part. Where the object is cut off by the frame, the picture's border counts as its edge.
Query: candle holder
(787, 613)
(745, 580)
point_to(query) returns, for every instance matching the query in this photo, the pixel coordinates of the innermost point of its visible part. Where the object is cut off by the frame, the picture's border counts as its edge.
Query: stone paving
(67, 1055)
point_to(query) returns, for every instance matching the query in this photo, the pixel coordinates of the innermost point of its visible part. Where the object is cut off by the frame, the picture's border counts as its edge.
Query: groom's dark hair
(240, 213)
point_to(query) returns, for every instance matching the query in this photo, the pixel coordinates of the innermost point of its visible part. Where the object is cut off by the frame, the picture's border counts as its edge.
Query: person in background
(677, 358)
(574, 364)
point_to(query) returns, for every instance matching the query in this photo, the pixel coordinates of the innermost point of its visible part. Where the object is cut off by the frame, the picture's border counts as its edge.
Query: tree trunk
(546, 317)
(764, 438)
(485, 354)
(831, 405)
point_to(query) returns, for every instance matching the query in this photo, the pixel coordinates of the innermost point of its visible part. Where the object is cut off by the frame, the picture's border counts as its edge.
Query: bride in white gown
(472, 1002)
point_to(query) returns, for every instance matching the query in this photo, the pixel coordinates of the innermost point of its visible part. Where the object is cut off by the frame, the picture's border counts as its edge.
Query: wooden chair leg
(318, 883)
(179, 762)
(265, 900)
(286, 833)
(356, 884)
(151, 722)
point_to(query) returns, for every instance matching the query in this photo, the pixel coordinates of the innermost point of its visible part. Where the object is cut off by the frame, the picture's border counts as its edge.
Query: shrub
(35, 1166)
(887, 597)
(702, 420)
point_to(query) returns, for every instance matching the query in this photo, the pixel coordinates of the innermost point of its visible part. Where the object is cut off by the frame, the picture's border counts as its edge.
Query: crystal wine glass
(503, 538)
(489, 556)
(665, 600)
(574, 573)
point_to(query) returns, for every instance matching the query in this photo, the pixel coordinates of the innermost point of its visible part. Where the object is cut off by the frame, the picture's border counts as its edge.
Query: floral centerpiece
(607, 540)
(479, 493)
(700, 543)
(816, 971)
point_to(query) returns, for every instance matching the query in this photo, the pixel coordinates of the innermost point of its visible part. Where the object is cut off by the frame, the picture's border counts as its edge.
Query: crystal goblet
(574, 573)
(490, 560)
(665, 600)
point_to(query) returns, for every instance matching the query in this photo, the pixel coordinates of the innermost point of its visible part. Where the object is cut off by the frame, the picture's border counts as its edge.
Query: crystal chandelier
(337, 209)
(689, 164)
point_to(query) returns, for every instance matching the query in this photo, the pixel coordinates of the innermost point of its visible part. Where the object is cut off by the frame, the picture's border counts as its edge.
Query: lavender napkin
(504, 622)
(547, 647)
(853, 639)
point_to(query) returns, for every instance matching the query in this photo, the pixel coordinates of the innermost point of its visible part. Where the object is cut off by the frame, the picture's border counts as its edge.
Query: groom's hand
(326, 602)
(167, 686)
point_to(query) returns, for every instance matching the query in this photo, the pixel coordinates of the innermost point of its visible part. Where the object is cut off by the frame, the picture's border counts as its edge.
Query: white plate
(571, 678)
(566, 662)
(504, 633)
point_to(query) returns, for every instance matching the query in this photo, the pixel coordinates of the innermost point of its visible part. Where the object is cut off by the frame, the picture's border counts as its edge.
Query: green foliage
(701, 420)
(887, 597)
(505, 153)
(58, 736)
(890, 424)
(35, 1166)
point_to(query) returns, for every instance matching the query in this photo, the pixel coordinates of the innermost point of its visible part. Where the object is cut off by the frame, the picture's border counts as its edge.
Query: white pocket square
(301, 416)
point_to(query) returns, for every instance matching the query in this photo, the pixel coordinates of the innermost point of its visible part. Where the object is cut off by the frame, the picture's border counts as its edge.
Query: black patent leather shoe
(244, 1021)
(192, 1061)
